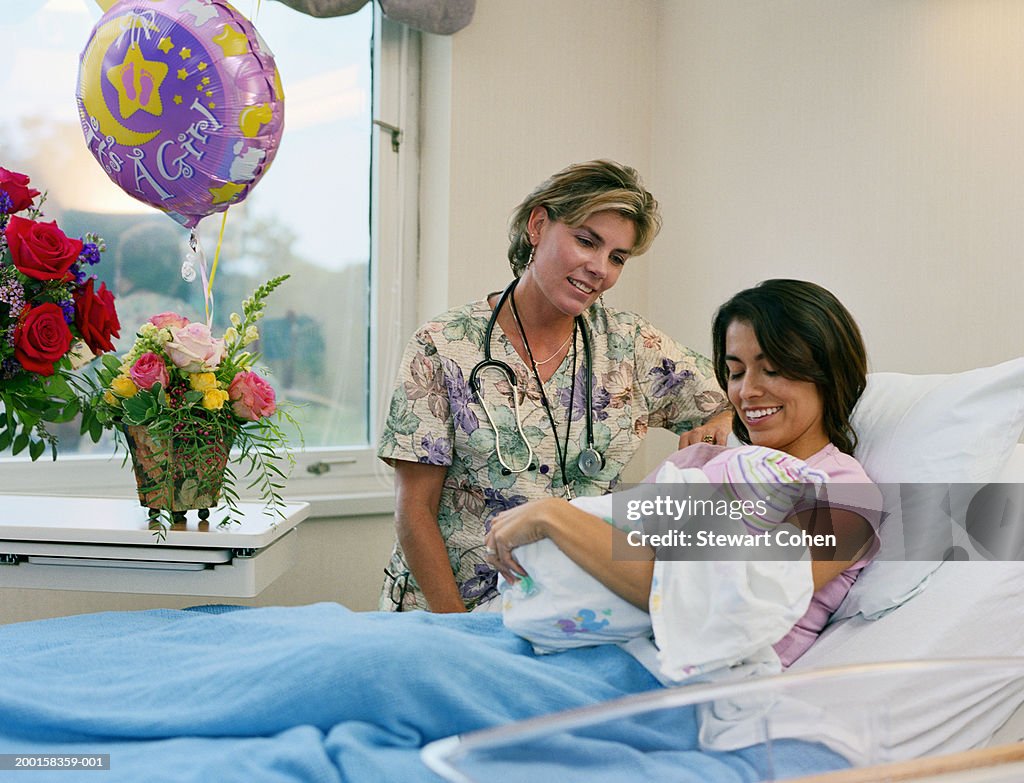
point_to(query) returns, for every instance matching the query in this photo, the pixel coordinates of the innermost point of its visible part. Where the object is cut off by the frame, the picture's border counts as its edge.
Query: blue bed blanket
(314, 693)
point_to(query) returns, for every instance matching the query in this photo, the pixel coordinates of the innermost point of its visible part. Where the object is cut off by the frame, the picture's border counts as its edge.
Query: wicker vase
(171, 479)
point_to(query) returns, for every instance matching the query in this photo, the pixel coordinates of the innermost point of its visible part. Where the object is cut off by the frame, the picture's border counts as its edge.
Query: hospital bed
(920, 674)
(924, 662)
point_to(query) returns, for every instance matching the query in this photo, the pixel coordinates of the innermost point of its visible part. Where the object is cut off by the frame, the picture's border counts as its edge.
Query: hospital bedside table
(106, 545)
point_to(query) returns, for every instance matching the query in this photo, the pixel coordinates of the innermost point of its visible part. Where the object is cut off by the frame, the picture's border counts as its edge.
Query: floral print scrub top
(641, 379)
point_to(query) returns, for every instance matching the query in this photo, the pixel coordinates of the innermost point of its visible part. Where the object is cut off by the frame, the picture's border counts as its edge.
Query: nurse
(539, 390)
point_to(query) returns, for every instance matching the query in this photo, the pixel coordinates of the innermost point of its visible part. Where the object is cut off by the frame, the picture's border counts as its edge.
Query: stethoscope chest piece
(590, 462)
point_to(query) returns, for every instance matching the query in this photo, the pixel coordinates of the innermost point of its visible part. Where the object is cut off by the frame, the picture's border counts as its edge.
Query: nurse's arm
(417, 499)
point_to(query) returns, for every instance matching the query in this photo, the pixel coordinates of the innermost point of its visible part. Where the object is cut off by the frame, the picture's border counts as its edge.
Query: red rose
(42, 338)
(16, 186)
(96, 317)
(41, 250)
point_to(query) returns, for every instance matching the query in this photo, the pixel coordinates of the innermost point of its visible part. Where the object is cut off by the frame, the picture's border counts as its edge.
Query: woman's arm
(417, 499)
(853, 536)
(586, 539)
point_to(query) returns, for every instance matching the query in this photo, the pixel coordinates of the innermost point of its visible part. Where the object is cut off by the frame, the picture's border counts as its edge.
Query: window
(332, 201)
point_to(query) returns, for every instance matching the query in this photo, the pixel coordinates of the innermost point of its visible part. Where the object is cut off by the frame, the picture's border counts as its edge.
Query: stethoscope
(590, 462)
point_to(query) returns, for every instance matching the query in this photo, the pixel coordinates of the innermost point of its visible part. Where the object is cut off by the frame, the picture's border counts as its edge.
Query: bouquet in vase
(53, 318)
(182, 398)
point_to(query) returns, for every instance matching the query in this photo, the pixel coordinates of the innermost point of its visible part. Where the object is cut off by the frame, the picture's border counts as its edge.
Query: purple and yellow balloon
(180, 103)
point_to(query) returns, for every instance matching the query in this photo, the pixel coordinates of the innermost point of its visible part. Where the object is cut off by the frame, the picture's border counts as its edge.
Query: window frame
(347, 480)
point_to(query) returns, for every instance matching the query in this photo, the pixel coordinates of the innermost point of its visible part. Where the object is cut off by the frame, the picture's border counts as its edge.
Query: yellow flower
(214, 399)
(203, 381)
(123, 386)
(110, 399)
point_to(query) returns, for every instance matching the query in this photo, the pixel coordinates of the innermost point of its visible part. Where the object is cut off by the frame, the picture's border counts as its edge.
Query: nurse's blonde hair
(577, 192)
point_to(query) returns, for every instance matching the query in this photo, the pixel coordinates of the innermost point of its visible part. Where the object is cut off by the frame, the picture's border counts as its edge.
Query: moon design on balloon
(91, 90)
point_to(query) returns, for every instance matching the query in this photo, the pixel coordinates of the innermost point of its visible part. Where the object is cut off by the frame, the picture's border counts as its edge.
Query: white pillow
(928, 429)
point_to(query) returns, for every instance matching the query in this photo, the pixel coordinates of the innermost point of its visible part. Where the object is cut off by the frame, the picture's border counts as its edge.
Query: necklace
(558, 350)
(562, 453)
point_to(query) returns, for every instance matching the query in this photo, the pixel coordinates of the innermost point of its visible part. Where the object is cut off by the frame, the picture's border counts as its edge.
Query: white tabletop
(124, 521)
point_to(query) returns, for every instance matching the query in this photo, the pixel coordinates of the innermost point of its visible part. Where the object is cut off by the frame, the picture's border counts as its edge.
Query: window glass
(308, 216)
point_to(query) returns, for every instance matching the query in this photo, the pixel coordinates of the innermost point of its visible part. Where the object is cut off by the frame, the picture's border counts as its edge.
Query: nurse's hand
(517, 527)
(716, 430)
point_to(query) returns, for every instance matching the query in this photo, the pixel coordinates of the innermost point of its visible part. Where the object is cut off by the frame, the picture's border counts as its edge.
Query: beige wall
(873, 146)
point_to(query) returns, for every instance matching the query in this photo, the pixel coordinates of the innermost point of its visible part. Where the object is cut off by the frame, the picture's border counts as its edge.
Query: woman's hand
(587, 541)
(519, 526)
(715, 430)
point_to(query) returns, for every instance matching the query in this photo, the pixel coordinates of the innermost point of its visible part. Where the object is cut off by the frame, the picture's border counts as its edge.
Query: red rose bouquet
(53, 317)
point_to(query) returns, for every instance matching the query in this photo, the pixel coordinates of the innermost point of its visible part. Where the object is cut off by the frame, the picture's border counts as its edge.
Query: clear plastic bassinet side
(901, 720)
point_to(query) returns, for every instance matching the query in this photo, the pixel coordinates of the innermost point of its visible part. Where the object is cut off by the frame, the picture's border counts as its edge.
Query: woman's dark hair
(807, 335)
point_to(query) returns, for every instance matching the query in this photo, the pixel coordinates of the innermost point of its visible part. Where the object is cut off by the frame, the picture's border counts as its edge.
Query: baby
(558, 605)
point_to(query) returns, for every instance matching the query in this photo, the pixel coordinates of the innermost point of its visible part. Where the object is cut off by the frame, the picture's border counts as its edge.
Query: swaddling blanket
(703, 615)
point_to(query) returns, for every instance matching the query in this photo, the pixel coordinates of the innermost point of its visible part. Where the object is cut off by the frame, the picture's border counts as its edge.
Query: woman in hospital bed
(361, 692)
(793, 363)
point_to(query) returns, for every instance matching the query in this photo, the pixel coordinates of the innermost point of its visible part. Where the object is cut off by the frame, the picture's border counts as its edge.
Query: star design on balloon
(137, 81)
(202, 66)
(165, 44)
(227, 192)
(177, 100)
(231, 41)
(182, 74)
(200, 9)
(185, 53)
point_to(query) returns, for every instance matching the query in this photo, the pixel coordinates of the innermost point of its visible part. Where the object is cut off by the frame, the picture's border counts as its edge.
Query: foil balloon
(181, 104)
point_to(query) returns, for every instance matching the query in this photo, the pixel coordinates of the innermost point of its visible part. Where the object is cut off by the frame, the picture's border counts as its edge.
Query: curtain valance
(442, 17)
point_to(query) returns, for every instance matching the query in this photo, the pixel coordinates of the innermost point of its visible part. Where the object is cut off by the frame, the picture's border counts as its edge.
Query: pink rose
(149, 369)
(251, 397)
(16, 187)
(194, 349)
(168, 320)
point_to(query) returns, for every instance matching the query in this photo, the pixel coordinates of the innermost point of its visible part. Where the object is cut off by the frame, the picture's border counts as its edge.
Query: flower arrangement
(53, 318)
(181, 398)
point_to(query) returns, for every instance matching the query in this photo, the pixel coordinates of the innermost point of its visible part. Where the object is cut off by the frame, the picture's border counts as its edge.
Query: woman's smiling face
(574, 265)
(780, 413)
